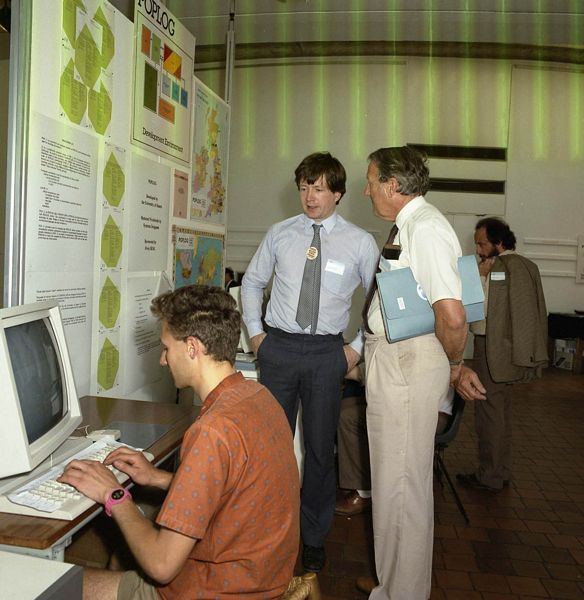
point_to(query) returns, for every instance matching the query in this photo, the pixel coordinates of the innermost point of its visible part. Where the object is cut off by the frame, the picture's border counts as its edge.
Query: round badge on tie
(312, 253)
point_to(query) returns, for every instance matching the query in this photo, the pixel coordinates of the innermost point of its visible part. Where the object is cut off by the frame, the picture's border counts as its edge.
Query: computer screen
(39, 407)
(37, 375)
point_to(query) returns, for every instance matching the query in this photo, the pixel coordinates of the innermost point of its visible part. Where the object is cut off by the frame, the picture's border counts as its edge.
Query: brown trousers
(492, 423)
(353, 445)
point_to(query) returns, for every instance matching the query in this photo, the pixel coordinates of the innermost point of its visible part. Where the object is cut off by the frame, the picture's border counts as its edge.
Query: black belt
(305, 337)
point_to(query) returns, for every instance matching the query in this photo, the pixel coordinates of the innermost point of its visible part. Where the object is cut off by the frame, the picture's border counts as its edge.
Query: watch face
(117, 494)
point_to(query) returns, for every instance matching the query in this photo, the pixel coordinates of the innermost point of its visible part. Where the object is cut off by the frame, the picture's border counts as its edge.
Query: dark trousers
(309, 369)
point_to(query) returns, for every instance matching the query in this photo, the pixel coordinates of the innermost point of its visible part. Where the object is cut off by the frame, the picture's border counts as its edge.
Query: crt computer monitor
(39, 407)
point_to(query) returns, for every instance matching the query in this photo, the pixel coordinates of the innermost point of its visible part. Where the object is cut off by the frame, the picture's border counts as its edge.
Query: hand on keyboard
(53, 494)
(134, 464)
(91, 478)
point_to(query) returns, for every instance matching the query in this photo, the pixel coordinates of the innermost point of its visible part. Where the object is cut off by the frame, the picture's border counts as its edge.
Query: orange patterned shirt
(236, 491)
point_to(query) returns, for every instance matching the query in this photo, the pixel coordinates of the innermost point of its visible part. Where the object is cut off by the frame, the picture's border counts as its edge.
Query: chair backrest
(451, 428)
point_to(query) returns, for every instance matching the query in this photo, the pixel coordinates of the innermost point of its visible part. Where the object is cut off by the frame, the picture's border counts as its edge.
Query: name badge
(497, 275)
(334, 266)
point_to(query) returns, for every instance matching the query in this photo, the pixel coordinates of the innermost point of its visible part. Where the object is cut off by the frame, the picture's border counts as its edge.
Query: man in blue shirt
(306, 361)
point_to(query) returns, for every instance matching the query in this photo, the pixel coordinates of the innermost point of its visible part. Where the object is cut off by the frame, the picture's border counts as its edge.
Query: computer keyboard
(44, 496)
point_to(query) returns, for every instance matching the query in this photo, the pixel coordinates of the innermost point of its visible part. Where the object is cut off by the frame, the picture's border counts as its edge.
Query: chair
(441, 442)
(303, 587)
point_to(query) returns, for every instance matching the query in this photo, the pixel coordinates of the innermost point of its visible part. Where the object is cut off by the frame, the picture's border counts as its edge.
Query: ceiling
(279, 28)
(547, 30)
(531, 22)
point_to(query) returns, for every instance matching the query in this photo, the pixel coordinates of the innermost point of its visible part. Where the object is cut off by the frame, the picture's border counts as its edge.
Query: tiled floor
(524, 543)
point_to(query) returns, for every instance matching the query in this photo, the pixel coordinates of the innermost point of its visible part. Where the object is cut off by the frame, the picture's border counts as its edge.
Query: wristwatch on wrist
(117, 496)
(456, 363)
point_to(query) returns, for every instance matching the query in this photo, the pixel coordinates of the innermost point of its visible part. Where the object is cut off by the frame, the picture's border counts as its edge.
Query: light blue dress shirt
(349, 258)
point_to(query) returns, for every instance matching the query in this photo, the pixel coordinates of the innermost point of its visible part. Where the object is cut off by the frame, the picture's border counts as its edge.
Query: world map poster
(209, 158)
(198, 257)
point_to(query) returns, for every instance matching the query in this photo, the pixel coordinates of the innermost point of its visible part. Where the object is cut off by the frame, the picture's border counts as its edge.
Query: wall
(4, 67)
(282, 112)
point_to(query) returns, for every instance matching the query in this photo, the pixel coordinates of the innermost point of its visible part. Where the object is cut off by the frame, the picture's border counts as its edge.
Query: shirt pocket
(337, 277)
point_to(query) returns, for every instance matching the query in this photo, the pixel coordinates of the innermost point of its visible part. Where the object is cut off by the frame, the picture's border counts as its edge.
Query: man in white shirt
(406, 380)
(303, 361)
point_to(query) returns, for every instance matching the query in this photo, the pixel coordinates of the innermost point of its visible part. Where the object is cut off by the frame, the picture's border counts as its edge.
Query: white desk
(32, 578)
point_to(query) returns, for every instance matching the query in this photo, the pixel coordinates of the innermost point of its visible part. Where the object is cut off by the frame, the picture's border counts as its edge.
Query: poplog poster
(163, 72)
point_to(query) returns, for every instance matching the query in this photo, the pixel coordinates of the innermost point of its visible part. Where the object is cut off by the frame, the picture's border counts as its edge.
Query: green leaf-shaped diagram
(107, 39)
(72, 94)
(87, 57)
(114, 181)
(100, 109)
(70, 18)
(109, 304)
(108, 365)
(111, 243)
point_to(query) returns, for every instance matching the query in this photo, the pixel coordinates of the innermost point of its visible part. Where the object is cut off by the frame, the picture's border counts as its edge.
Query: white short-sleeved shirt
(429, 246)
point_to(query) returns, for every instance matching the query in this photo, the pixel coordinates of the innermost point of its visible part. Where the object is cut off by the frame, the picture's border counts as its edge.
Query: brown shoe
(352, 504)
(366, 584)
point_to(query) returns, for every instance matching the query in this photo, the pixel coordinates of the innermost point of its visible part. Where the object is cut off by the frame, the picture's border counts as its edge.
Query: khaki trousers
(405, 383)
(492, 423)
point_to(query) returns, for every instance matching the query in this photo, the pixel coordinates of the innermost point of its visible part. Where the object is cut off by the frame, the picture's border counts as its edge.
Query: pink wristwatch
(116, 497)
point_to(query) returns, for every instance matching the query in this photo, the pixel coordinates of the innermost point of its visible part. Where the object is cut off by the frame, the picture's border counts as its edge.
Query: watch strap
(117, 496)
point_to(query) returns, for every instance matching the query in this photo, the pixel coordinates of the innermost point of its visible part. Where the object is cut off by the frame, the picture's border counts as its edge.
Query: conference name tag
(334, 266)
(497, 276)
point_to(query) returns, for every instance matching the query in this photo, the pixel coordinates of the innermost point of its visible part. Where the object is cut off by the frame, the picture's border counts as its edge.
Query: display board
(106, 202)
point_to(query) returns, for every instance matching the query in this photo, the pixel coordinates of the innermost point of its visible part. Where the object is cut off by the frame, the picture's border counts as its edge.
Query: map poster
(210, 153)
(163, 66)
(198, 257)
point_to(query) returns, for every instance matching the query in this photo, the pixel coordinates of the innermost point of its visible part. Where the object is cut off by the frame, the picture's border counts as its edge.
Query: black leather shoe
(470, 480)
(313, 558)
